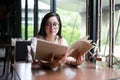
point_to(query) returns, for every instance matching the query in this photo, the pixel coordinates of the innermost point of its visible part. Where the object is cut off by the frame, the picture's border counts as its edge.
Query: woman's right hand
(54, 61)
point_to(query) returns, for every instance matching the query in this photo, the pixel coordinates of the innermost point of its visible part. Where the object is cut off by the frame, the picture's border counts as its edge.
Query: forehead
(52, 19)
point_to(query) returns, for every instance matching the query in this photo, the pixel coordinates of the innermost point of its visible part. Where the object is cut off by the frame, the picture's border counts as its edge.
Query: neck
(52, 39)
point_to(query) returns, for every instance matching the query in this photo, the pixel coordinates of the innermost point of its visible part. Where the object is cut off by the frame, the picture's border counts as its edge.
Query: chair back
(21, 50)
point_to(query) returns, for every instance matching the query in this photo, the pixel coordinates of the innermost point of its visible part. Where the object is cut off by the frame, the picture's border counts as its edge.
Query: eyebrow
(53, 22)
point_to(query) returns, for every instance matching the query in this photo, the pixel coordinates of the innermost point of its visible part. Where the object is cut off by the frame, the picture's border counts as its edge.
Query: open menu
(45, 48)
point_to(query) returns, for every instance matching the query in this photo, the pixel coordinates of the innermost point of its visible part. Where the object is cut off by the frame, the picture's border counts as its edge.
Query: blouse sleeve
(33, 44)
(33, 47)
(64, 42)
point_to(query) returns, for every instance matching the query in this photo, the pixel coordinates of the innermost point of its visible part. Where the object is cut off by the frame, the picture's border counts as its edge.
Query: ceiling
(71, 5)
(79, 5)
(6, 2)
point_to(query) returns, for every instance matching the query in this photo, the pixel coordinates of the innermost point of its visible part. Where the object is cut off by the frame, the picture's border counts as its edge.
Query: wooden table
(86, 71)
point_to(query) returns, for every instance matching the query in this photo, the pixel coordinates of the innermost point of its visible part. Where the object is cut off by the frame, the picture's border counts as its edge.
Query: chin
(52, 35)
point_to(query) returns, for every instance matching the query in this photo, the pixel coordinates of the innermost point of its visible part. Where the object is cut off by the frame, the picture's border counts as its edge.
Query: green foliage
(70, 34)
(69, 18)
(71, 25)
(30, 31)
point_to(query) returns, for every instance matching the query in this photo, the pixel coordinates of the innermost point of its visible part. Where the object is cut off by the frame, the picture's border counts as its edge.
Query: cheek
(57, 30)
(46, 31)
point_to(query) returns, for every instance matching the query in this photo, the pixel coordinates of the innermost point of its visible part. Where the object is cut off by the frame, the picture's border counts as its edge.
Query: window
(73, 18)
(43, 8)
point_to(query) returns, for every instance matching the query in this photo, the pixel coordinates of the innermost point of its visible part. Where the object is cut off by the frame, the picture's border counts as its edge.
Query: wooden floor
(1, 67)
(2, 77)
(1, 71)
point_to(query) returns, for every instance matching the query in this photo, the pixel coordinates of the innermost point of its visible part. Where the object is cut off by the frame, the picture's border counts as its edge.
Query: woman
(50, 30)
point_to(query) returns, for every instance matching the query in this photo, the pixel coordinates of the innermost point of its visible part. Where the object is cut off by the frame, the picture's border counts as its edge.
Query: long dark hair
(43, 23)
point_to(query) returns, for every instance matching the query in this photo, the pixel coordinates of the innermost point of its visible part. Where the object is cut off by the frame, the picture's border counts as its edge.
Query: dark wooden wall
(10, 18)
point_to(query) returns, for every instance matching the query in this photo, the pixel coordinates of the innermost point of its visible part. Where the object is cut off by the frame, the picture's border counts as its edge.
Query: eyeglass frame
(50, 25)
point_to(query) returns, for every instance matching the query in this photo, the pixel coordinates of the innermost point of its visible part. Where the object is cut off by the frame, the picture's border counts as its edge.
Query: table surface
(86, 71)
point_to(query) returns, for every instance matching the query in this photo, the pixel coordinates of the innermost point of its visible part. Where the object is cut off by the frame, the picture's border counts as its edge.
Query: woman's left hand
(79, 60)
(76, 59)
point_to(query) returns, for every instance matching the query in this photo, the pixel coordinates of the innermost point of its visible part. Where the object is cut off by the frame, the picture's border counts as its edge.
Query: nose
(51, 26)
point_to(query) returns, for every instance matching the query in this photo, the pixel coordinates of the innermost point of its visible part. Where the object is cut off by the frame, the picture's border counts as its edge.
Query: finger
(52, 57)
(64, 56)
(79, 61)
(79, 57)
(82, 57)
(54, 64)
(57, 64)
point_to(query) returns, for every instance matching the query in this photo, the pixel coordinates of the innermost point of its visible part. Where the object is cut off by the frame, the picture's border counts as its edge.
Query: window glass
(43, 8)
(105, 31)
(116, 35)
(105, 28)
(73, 17)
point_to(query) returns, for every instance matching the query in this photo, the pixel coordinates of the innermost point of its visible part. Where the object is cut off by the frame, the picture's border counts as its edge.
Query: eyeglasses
(54, 25)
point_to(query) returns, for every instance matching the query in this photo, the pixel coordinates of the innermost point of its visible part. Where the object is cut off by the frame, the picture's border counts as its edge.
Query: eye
(55, 24)
(48, 24)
